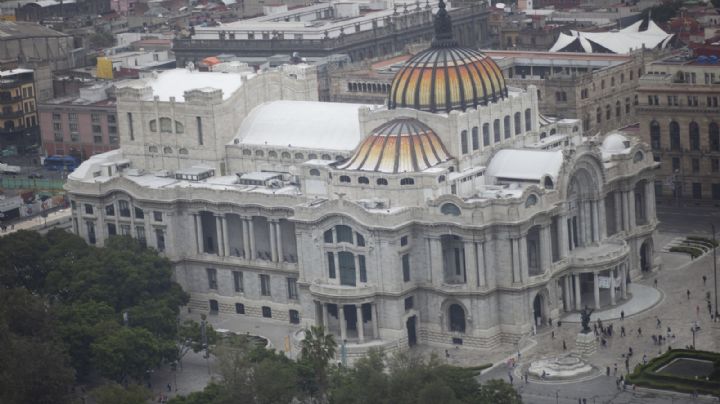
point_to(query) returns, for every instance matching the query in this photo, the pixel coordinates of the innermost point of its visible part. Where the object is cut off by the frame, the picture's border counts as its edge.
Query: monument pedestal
(585, 344)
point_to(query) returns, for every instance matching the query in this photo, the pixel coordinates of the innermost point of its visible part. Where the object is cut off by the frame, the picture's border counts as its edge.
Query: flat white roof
(175, 82)
(303, 124)
(525, 164)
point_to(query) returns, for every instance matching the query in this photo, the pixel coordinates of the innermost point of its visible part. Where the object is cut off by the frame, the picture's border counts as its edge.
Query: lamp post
(692, 329)
(712, 225)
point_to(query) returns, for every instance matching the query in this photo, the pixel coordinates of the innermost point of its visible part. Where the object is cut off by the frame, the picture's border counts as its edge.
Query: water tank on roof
(702, 59)
(713, 59)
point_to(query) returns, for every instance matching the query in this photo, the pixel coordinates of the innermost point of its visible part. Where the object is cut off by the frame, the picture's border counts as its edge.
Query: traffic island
(681, 370)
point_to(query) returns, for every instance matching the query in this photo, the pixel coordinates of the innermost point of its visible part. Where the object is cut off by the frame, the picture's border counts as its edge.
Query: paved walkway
(58, 218)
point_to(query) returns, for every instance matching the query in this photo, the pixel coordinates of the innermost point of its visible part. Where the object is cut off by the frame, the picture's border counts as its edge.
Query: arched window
(314, 172)
(344, 178)
(655, 142)
(598, 115)
(552, 131)
(183, 151)
(506, 124)
(165, 125)
(674, 128)
(531, 200)
(153, 125)
(312, 156)
(326, 157)
(543, 135)
(475, 138)
(463, 142)
(363, 180)
(486, 134)
(272, 154)
(381, 181)
(339, 158)
(714, 136)
(638, 157)
(627, 105)
(496, 131)
(407, 181)
(299, 156)
(343, 233)
(694, 130)
(153, 149)
(608, 112)
(259, 153)
(450, 209)
(456, 314)
(179, 128)
(618, 109)
(518, 124)
(247, 152)
(285, 155)
(167, 150)
(441, 179)
(548, 183)
(528, 120)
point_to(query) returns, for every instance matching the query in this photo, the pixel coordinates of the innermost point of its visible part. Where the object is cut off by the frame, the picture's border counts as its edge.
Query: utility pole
(712, 225)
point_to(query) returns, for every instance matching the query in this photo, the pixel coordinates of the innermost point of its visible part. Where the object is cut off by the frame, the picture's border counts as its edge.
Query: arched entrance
(646, 253)
(539, 310)
(457, 318)
(411, 330)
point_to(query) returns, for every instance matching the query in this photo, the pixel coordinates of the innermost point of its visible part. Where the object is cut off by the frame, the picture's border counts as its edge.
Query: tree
(126, 353)
(21, 263)
(316, 350)
(113, 393)
(189, 338)
(497, 392)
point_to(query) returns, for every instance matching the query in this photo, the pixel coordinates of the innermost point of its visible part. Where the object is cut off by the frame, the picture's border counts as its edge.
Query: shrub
(705, 239)
(694, 252)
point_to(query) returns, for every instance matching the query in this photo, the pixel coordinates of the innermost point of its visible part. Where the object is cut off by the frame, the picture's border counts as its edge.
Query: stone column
(251, 233)
(336, 258)
(245, 237)
(480, 257)
(376, 333)
(356, 257)
(326, 322)
(545, 248)
(623, 281)
(198, 233)
(278, 235)
(631, 208)
(226, 236)
(612, 286)
(218, 234)
(626, 211)
(649, 202)
(273, 241)
(619, 208)
(578, 299)
(436, 260)
(602, 217)
(571, 233)
(596, 221)
(568, 302)
(360, 330)
(470, 264)
(596, 290)
(343, 325)
(515, 252)
(563, 236)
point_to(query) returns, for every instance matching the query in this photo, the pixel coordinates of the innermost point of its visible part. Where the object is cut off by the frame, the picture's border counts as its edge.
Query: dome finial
(443, 28)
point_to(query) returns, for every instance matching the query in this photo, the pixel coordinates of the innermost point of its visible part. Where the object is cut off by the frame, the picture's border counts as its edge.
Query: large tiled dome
(446, 76)
(401, 145)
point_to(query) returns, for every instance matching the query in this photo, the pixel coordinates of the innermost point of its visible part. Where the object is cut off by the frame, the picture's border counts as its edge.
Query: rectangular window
(110, 210)
(403, 241)
(57, 126)
(331, 265)
(140, 233)
(716, 192)
(160, 239)
(124, 207)
(73, 127)
(409, 303)
(97, 129)
(238, 281)
(95, 117)
(265, 285)
(406, 267)
(157, 216)
(475, 139)
(292, 288)
(139, 214)
(463, 142)
(112, 230)
(675, 163)
(124, 229)
(199, 130)
(212, 278)
(715, 165)
(486, 134)
(239, 308)
(696, 165)
(59, 137)
(112, 130)
(130, 125)
(56, 116)
(97, 139)
(72, 116)
(294, 316)
(363, 270)
(266, 312)
(90, 232)
(113, 139)
(697, 190)
(111, 119)
(88, 209)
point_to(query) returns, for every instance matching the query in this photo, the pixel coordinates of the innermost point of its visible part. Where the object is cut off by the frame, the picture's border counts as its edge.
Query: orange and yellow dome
(447, 77)
(401, 145)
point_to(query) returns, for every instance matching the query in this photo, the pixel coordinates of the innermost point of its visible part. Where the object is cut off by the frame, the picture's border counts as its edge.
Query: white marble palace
(454, 214)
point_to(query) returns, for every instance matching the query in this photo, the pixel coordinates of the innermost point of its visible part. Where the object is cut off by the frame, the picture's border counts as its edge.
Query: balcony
(606, 253)
(342, 292)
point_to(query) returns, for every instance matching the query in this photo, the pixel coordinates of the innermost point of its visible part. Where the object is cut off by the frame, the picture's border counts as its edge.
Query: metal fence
(28, 183)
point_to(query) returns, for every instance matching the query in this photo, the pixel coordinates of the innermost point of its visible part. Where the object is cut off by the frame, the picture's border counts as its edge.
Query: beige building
(678, 114)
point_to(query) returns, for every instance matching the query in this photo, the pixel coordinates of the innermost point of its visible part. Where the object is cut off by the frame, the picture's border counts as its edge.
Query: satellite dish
(501, 6)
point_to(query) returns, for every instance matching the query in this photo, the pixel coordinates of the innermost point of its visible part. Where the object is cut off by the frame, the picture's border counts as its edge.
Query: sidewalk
(59, 218)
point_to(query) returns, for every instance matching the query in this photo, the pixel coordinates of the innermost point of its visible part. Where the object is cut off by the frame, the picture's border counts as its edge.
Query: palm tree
(317, 349)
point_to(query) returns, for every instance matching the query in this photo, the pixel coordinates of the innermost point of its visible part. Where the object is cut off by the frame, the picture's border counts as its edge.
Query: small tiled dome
(401, 145)
(445, 76)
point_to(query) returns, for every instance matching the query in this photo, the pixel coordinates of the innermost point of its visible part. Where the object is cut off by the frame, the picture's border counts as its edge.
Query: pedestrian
(639, 332)
(644, 359)
(607, 371)
(697, 310)
(622, 315)
(169, 387)
(655, 340)
(688, 293)
(622, 330)
(615, 369)
(564, 346)
(704, 280)
(655, 283)
(510, 377)
(552, 335)
(550, 321)
(447, 354)
(627, 366)
(526, 377)
(658, 323)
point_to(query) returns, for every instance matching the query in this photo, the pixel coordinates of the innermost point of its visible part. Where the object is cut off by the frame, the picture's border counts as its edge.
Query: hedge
(694, 252)
(647, 376)
(705, 239)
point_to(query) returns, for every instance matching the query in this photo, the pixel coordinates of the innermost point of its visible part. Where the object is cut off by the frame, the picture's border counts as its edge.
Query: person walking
(615, 369)
(510, 377)
(622, 315)
(564, 346)
(622, 330)
(552, 334)
(639, 332)
(688, 294)
(704, 280)
(658, 323)
(655, 283)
